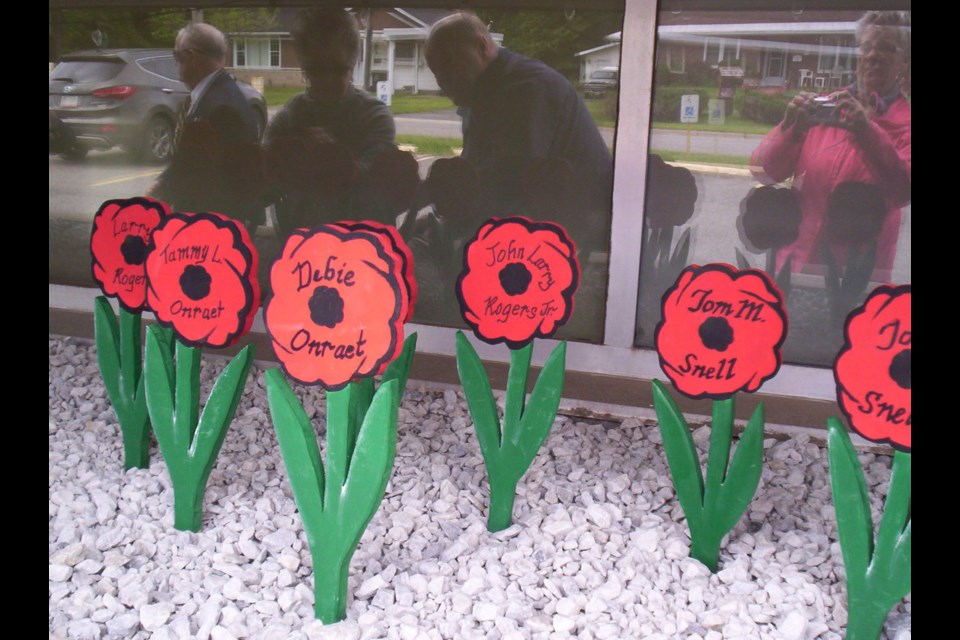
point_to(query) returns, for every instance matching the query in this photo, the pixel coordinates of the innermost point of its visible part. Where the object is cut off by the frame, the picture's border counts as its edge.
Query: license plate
(69, 102)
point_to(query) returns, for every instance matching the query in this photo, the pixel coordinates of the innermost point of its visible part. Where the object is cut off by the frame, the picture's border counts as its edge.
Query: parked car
(125, 97)
(601, 81)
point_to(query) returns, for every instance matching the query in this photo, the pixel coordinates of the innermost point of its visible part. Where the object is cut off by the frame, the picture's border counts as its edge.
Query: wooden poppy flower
(872, 369)
(118, 245)
(202, 278)
(337, 309)
(721, 331)
(518, 280)
(404, 256)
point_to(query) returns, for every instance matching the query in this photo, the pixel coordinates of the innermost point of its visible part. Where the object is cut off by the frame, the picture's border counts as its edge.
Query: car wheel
(158, 140)
(75, 153)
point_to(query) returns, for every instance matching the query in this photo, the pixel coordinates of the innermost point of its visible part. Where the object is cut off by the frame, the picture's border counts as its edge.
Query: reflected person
(865, 138)
(341, 123)
(219, 125)
(517, 111)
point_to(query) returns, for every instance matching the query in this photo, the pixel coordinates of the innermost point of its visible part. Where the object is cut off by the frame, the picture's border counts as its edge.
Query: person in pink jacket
(862, 136)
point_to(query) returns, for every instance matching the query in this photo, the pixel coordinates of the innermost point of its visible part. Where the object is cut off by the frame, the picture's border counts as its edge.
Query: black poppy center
(134, 250)
(195, 282)
(326, 307)
(900, 369)
(716, 333)
(515, 278)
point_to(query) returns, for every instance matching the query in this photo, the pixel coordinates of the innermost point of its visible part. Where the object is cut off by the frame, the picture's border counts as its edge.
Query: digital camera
(824, 111)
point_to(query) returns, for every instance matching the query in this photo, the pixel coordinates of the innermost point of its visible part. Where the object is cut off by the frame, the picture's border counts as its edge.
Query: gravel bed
(599, 547)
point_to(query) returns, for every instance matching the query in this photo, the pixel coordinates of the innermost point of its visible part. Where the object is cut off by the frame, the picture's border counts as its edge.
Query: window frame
(615, 355)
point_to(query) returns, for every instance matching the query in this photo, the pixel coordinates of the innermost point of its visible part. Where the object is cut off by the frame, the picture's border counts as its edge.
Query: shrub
(666, 102)
(764, 108)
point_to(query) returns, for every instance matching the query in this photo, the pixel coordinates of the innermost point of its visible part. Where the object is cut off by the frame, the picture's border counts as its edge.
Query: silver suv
(127, 98)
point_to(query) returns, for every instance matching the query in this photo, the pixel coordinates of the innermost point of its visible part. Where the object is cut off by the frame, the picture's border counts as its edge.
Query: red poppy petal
(721, 331)
(518, 281)
(335, 313)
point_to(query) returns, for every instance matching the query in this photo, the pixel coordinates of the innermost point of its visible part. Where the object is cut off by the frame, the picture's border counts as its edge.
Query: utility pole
(368, 49)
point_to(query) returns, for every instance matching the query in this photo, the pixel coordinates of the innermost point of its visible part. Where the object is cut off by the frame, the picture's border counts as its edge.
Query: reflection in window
(822, 204)
(261, 53)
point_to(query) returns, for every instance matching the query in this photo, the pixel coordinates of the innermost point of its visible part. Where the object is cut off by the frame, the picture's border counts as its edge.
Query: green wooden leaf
(372, 463)
(298, 445)
(476, 388)
(681, 453)
(900, 569)
(107, 335)
(541, 409)
(743, 474)
(851, 502)
(896, 507)
(220, 408)
(159, 390)
(360, 400)
(399, 369)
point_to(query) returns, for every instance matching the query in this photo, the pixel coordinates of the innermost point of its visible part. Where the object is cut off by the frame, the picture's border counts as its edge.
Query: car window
(86, 70)
(164, 66)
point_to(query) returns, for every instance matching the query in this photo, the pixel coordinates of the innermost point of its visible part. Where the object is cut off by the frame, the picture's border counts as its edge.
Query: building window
(835, 52)
(405, 51)
(257, 53)
(676, 59)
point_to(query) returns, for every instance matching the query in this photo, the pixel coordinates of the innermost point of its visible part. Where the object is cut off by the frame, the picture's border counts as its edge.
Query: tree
(550, 36)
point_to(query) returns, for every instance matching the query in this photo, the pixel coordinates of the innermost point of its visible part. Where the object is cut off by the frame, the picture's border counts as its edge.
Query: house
(775, 50)
(397, 42)
(604, 55)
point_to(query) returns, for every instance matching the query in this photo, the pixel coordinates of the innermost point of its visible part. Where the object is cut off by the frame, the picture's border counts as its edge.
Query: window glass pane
(546, 154)
(824, 205)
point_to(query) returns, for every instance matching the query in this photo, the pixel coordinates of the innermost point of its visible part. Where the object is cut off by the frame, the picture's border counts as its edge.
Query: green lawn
(703, 158)
(732, 124)
(401, 103)
(430, 145)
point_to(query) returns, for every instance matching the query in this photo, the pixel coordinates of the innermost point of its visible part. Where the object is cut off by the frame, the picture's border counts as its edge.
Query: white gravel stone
(599, 547)
(153, 616)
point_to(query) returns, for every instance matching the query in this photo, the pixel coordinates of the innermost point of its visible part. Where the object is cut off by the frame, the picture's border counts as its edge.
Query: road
(76, 190)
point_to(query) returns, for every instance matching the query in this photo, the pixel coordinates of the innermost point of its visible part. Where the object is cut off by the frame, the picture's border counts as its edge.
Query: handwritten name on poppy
(202, 280)
(873, 368)
(721, 331)
(518, 280)
(338, 305)
(118, 246)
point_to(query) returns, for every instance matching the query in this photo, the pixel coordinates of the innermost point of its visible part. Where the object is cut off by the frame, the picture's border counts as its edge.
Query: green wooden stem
(714, 506)
(877, 569)
(338, 499)
(190, 441)
(509, 451)
(119, 356)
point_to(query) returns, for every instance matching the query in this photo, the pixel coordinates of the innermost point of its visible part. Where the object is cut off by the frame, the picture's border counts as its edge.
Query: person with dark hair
(857, 134)
(517, 113)
(340, 127)
(218, 126)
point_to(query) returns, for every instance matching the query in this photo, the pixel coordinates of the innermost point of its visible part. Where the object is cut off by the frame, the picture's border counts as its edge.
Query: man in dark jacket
(530, 135)
(218, 127)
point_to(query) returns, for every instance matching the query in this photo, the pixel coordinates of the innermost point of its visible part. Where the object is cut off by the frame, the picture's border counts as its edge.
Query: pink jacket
(826, 156)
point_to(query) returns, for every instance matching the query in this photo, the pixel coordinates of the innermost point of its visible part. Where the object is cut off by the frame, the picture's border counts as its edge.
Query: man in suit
(217, 164)
(536, 148)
